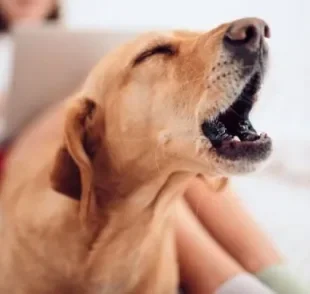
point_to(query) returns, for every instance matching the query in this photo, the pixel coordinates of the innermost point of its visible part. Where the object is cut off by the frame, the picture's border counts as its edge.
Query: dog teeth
(235, 138)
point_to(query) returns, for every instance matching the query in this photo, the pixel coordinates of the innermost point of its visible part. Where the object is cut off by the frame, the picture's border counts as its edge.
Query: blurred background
(279, 196)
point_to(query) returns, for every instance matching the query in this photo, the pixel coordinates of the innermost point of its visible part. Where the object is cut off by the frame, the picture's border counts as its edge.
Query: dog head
(177, 100)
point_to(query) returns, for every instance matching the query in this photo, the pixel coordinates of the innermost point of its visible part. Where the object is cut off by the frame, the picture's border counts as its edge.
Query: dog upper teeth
(235, 138)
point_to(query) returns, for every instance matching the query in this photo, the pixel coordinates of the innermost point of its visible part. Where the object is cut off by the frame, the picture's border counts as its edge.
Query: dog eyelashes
(166, 49)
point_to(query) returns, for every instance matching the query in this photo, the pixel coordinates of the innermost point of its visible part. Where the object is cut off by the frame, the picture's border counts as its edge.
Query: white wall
(284, 110)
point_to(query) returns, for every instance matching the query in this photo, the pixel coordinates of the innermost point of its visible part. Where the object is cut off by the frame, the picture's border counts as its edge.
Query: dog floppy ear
(72, 173)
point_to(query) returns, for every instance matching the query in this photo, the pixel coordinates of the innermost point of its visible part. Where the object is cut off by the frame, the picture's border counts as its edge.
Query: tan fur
(89, 189)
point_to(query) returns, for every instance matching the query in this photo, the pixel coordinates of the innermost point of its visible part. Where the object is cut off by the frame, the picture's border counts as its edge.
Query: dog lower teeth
(235, 138)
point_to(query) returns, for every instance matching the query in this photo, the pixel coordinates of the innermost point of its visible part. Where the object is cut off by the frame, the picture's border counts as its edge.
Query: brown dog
(89, 193)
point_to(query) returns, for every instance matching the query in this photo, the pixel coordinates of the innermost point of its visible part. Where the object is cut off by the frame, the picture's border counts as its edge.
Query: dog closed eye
(164, 49)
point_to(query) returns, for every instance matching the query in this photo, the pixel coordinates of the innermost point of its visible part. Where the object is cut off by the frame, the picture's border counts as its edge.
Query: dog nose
(246, 33)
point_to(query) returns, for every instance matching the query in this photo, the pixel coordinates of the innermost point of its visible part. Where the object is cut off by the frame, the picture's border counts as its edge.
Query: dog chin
(234, 159)
(226, 168)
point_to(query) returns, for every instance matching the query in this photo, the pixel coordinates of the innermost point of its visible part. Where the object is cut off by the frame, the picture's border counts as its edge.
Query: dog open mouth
(231, 133)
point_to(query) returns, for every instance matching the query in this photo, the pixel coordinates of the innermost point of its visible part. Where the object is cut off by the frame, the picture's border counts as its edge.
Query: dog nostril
(243, 36)
(250, 33)
(247, 33)
(266, 31)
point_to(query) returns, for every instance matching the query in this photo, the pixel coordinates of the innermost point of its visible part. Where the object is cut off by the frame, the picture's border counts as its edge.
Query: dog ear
(72, 173)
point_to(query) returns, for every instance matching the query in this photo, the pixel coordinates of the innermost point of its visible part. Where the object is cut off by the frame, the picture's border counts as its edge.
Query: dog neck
(141, 189)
